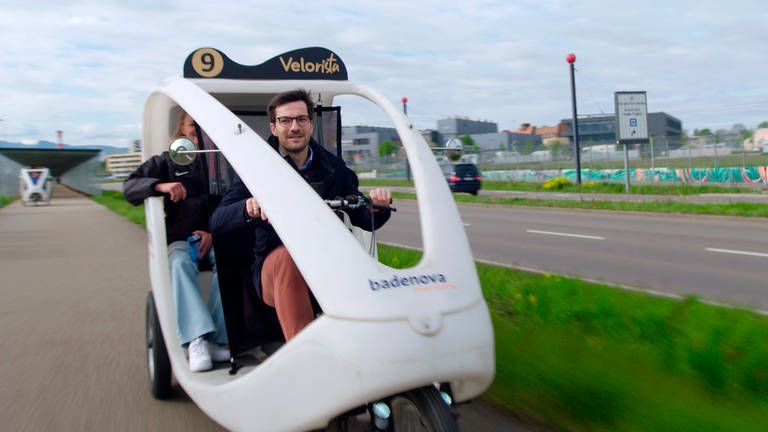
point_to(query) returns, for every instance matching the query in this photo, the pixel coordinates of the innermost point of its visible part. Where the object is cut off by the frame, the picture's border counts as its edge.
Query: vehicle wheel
(159, 365)
(474, 193)
(422, 409)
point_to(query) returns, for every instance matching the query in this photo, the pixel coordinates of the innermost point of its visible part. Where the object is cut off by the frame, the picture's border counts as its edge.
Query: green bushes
(556, 183)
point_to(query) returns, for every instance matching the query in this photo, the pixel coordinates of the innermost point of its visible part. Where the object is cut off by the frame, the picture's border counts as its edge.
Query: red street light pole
(404, 100)
(571, 59)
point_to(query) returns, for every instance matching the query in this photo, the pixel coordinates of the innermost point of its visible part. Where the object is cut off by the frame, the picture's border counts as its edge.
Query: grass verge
(734, 209)
(4, 201)
(584, 356)
(587, 187)
(116, 202)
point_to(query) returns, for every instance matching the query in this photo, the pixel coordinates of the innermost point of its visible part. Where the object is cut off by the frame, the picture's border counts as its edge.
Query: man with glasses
(276, 278)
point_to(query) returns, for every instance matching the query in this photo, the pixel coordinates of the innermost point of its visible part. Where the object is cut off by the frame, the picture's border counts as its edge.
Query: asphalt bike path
(74, 284)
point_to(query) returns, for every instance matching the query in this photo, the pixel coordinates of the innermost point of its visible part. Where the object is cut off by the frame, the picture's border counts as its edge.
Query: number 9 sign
(207, 62)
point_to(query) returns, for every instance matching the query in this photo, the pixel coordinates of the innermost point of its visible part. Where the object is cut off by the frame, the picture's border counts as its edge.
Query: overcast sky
(86, 67)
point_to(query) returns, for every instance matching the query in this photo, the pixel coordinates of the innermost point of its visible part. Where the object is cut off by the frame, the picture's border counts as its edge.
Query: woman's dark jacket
(182, 217)
(328, 175)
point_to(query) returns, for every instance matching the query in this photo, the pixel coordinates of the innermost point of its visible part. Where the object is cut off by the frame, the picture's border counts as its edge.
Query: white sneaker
(219, 353)
(199, 355)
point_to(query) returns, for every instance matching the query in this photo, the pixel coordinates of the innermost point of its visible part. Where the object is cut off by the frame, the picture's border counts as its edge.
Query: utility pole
(571, 59)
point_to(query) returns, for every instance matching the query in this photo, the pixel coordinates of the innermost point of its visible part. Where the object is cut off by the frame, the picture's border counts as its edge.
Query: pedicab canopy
(249, 321)
(313, 63)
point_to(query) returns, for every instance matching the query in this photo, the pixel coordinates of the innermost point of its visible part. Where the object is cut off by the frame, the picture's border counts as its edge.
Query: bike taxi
(400, 346)
(35, 185)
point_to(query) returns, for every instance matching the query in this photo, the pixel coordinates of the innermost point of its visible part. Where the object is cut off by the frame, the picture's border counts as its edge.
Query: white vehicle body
(382, 331)
(35, 185)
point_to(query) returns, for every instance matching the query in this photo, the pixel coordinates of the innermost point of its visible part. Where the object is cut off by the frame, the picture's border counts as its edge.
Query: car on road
(463, 177)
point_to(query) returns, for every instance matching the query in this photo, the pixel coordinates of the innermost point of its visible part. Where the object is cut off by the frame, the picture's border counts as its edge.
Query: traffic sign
(631, 117)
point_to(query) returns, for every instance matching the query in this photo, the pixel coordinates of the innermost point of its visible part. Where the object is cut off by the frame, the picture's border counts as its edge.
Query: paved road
(73, 288)
(720, 258)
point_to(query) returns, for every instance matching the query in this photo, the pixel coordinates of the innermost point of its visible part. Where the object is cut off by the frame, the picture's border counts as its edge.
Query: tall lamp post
(404, 100)
(571, 59)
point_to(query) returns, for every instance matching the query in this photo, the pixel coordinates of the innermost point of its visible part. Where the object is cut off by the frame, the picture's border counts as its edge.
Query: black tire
(422, 409)
(158, 363)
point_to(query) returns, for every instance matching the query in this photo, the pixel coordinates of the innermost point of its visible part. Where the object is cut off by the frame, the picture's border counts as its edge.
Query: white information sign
(631, 117)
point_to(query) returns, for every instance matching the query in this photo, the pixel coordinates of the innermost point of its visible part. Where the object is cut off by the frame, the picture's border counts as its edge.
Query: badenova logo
(424, 282)
(327, 66)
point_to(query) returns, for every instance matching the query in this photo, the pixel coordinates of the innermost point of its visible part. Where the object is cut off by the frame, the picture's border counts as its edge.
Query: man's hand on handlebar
(380, 200)
(253, 210)
(380, 197)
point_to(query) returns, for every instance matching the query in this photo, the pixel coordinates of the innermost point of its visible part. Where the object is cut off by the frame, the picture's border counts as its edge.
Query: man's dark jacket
(329, 176)
(181, 217)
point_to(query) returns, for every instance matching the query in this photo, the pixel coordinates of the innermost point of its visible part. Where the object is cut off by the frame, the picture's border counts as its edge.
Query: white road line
(566, 234)
(738, 252)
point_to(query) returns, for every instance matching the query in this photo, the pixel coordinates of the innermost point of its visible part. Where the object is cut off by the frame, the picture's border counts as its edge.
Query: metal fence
(648, 162)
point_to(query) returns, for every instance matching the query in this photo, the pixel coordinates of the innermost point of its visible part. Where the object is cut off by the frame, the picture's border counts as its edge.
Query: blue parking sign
(633, 122)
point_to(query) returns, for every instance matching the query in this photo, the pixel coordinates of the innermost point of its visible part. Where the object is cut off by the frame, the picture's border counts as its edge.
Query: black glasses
(286, 121)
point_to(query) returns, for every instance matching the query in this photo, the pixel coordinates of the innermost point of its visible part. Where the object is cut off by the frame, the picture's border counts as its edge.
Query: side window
(327, 129)
(220, 173)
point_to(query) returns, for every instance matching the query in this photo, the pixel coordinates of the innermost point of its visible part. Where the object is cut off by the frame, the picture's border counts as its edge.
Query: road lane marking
(738, 252)
(566, 234)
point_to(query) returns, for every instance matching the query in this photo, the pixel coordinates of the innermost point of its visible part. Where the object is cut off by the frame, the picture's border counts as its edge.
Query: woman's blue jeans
(195, 317)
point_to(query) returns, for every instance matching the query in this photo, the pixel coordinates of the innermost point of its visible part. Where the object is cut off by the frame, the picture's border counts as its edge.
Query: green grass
(734, 160)
(116, 202)
(680, 189)
(735, 209)
(4, 201)
(583, 356)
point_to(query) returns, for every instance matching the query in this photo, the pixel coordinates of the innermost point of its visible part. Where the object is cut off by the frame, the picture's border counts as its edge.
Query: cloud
(86, 67)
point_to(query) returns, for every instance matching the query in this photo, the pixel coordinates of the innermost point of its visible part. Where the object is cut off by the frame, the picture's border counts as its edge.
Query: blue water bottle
(192, 242)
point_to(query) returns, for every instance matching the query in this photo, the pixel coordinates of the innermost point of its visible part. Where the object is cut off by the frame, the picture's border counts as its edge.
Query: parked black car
(463, 177)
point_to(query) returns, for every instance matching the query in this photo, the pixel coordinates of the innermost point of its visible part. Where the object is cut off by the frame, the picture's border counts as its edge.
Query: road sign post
(631, 123)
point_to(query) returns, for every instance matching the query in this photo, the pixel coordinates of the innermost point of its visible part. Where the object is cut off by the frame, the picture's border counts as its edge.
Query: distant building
(508, 141)
(361, 143)
(758, 141)
(448, 128)
(135, 146)
(120, 165)
(549, 134)
(729, 137)
(601, 129)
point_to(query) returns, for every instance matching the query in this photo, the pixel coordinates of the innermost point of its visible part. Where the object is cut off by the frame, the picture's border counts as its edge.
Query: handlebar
(351, 202)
